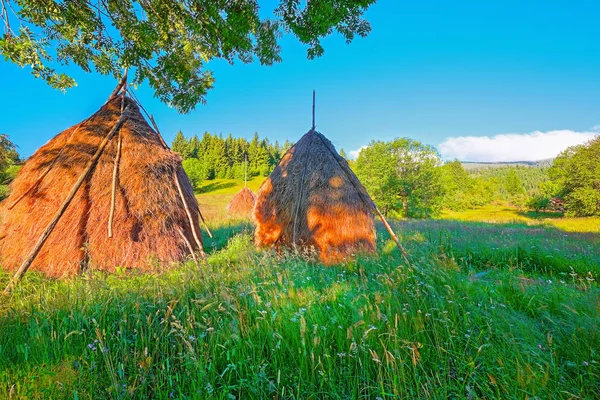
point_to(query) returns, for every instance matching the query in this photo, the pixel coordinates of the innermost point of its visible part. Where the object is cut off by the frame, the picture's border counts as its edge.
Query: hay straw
(242, 204)
(333, 216)
(148, 207)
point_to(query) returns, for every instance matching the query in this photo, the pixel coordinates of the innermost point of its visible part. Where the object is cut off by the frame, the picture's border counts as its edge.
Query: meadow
(508, 309)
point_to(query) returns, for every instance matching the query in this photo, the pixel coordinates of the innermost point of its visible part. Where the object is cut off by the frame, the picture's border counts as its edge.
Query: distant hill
(482, 164)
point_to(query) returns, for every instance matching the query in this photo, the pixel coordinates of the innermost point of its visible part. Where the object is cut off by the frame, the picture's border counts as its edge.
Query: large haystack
(314, 199)
(150, 220)
(242, 204)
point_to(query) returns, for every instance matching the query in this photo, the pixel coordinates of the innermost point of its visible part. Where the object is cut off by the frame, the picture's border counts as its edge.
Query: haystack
(242, 204)
(135, 207)
(313, 200)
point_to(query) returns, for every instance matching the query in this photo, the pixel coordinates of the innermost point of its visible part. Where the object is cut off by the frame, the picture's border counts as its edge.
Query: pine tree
(180, 145)
(194, 147)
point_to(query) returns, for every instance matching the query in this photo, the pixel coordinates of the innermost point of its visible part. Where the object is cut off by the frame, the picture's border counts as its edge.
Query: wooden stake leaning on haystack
(178, 183)
(152, 208)
(312, 199)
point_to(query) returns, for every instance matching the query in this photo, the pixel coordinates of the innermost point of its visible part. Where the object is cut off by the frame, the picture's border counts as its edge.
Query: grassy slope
(480, 310)
(505, 214)
(214, 196)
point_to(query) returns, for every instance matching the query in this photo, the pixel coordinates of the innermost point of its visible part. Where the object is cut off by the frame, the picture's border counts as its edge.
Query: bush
(195, 172)
(538, 203)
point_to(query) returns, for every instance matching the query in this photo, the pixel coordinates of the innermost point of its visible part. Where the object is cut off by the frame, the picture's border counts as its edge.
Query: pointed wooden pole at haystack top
(121, 83)
(313, 111)
(245, 170)
(38, 246)
(181, 192)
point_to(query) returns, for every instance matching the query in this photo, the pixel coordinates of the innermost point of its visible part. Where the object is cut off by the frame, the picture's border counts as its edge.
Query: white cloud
(512, 146)
(353, 154)
(596, 128)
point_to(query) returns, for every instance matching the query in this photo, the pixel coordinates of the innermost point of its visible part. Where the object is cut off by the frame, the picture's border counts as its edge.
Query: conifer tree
(180, 145)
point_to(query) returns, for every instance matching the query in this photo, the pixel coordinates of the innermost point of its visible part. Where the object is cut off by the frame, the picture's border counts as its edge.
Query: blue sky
(474, 79)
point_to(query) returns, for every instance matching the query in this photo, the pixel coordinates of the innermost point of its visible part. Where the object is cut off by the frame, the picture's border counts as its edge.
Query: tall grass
(468, 317)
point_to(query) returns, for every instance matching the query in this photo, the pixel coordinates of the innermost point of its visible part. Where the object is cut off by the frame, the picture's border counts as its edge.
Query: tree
(193, 169)
(8, 152)
(8, 164)
(181, 145)
(402, 176)
(538, 203)
(513, 184)
(168, 42)
(194, 147)
(575, 176)
(457, 186)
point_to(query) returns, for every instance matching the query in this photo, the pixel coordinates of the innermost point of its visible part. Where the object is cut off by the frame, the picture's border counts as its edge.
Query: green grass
(214, 195)
(479, 311)
(499, 213)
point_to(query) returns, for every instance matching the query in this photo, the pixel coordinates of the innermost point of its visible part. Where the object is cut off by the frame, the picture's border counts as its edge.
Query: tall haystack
(242, 204)
(313, 199)
(135, 204)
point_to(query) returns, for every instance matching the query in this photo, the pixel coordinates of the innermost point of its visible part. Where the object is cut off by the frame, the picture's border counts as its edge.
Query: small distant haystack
(242, 204)
(313, 199)
(136, 191)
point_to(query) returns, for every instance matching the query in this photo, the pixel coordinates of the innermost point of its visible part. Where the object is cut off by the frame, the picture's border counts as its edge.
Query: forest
(405, 177)
(213, 156)
(409, 179)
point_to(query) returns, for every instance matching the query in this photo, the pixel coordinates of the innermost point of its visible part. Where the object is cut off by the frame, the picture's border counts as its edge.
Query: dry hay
(242, 203)
(149, 213)
(334, 211)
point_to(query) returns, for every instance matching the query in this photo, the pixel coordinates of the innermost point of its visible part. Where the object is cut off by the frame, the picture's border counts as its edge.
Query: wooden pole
(313, 112)
(188, 212)
(177, 178)
(162, 141)
(118, 88)
(189, 245)
(113, 196)
(390, 231)
(38, 246)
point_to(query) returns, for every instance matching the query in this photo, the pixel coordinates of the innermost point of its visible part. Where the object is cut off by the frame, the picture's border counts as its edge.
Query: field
(477, 310)
(500, 213)
(216, 194)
